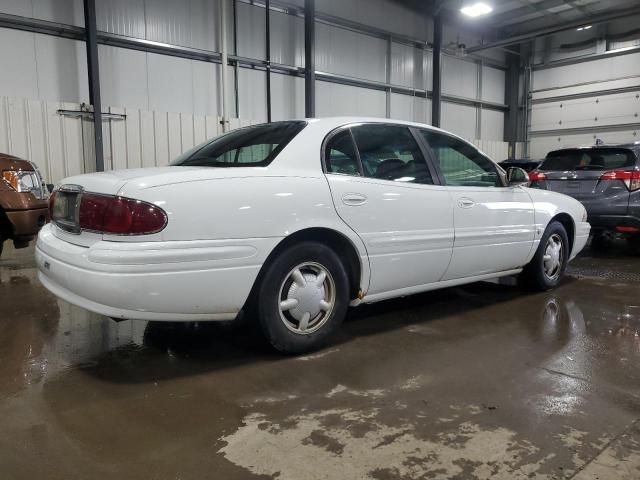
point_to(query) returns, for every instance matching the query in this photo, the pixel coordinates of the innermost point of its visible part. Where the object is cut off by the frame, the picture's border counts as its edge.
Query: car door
(494, 223)
(383, 188)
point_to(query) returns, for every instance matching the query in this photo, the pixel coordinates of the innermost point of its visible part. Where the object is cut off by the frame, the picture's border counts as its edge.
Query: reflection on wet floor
(480, 381)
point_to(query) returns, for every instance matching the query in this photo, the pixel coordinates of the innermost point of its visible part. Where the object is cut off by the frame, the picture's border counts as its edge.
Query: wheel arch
(569, 225)
(6, 227)
(337, 241)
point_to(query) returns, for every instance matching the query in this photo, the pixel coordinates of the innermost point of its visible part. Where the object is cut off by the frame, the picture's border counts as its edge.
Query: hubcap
(307, 297)
(552, 259)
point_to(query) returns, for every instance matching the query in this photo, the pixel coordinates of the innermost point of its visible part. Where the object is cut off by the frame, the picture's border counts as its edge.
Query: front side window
(253, 146)
(461, 164)
(340, 155)
(389, 152)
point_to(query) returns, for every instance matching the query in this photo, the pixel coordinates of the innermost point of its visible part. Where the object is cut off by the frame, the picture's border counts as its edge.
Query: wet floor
(484, 381)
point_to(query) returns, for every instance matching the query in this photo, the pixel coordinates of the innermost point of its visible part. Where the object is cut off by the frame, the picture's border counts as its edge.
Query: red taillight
(537, 176)
(631, 178)
(624, 229)
(119, 215)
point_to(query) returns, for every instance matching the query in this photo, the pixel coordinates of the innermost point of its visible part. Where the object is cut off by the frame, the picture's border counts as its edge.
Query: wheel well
(567, 222)
(340, 244)
(6, 227)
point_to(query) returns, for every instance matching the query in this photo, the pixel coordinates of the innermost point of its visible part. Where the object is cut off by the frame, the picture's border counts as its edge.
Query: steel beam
(544, 32)
(437, 87)
(267, 47)
(94, 78)
(309, 58)
(512, 94)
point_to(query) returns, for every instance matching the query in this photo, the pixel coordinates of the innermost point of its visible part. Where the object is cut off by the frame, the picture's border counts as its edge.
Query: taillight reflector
(631, 178)
(537, 176)
(120, 215)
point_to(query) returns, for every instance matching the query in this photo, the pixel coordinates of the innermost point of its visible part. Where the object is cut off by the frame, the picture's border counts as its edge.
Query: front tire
(303, 298)
(546, 268)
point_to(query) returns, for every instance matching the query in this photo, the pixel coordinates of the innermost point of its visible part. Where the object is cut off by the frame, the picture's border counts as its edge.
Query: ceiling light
(587, 27)
(476, 9)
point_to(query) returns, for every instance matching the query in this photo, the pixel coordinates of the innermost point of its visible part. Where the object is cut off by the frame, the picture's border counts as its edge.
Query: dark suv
(606, 179)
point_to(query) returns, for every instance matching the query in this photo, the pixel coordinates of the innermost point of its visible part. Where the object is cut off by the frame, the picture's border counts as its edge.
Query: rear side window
(340, 155)
(390, 152)
(253, 146)
(595, 159)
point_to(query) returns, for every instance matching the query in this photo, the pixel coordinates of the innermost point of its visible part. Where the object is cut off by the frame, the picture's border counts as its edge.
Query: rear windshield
(596, 159)
(253, 146)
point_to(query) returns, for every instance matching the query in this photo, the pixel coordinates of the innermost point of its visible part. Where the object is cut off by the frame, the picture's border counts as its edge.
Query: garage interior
(482, 381)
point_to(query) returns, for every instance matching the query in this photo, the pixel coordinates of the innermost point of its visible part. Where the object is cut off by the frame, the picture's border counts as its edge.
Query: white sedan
(294, 221)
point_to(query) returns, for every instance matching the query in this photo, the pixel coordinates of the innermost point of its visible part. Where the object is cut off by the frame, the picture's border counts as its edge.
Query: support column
(94, 78)
(267, 44)
(436, 96)
(512, 97)
(309, 58)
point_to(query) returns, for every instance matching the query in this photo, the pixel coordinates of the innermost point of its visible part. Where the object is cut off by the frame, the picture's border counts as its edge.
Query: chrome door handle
(354, 199)
(465, 202)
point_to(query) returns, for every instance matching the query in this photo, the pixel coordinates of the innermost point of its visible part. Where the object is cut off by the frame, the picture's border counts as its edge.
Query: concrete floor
(485, 381)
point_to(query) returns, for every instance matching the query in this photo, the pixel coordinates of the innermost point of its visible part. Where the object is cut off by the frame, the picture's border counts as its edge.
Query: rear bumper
(160, 281)
(610, 222)
(27, 223)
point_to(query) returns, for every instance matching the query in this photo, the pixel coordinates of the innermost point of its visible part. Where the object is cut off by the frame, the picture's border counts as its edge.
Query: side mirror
(517, 177)
(50, 187)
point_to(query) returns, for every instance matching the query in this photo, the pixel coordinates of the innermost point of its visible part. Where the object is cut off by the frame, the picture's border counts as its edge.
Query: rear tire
(303, 298)
(601, 241)
(546, 268)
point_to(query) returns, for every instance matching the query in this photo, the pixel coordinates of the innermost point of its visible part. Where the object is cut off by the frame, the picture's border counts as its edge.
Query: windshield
(595, 159)
(253, 146)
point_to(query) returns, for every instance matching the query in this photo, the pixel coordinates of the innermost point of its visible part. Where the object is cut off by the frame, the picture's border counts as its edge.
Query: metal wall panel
(63, 145)
(287, 97)
(251, 31)
(190, 23)
(122, 17)
(42, 67)
(33, 130)
(384, 14)
(459, 119)
(407, 65)
(414, 109)
(493, 84)
(334, 99)
(349, 53)
(496, 150)
(287, 39)
(459, 77)
(65, 11)
(148, 81)
(492, 125)
(252, 94)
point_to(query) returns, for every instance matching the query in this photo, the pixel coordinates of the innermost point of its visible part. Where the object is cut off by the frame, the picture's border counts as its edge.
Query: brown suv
(23, 201)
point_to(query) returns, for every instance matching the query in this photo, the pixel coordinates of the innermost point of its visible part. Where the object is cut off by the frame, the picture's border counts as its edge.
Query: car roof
(629, 145)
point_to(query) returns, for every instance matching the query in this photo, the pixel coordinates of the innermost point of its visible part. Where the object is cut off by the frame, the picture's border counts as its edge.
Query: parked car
(525, 164)
(23, 201)
(294, 221)
(605, 178)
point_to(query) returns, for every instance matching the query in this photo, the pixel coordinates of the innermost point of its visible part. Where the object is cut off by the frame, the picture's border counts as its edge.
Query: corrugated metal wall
(62, 145)
(48, 70)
